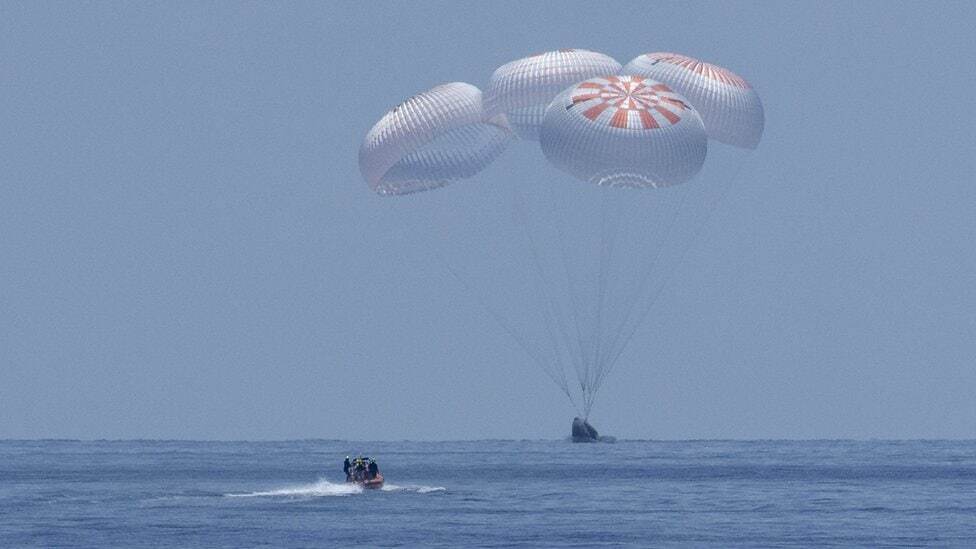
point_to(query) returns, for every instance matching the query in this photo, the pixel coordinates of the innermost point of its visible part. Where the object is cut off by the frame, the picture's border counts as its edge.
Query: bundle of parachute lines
(646, 124)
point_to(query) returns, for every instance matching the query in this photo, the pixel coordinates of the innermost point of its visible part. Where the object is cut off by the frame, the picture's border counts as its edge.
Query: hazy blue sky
(187, 249)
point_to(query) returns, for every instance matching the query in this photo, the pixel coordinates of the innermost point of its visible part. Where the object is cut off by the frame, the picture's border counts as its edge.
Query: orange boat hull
(372, 483)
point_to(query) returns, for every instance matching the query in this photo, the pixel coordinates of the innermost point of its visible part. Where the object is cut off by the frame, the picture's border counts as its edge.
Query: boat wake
(324, 488)
(412, 488)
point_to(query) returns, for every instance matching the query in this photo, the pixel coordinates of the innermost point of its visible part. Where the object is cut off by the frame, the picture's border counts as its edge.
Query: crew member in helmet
(346, 465)
(360, 469)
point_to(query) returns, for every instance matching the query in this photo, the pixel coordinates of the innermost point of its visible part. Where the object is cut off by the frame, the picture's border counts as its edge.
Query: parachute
(730, 108)
(623, 130)
(522, 89)
(600, 245)
(430, 140)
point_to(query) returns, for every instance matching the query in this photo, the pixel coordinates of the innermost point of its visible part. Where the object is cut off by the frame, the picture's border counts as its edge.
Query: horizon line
(460, 440)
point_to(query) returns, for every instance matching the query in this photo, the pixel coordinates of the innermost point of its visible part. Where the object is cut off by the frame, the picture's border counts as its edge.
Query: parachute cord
(616, 216)
(608, 241)
(510, 330)
(710, 210)
(598, 302)
(588, 407)
(562, 319)
(644, 277)
(551, 312)
(541, 284)
(669, 213)
(570, 280)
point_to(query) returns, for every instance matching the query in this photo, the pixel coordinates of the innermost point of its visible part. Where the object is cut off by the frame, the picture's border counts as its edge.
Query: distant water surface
(489, 493)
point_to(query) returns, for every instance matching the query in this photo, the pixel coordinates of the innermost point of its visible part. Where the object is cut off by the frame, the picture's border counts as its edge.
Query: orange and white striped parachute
(624, 131)
(729, 106)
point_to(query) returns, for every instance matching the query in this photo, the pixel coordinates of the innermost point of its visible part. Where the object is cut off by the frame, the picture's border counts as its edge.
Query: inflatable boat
(371, 483)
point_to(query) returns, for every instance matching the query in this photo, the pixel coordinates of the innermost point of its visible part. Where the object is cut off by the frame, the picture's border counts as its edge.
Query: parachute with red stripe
(624, 131)
(729, 106)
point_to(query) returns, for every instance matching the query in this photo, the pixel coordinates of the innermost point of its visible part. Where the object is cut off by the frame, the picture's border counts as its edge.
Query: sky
(188, 250)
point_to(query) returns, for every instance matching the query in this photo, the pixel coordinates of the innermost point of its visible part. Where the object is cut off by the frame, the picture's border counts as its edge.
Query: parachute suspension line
(587, 383)
(605, 289)
(600, 289)
(536, 351)
(574, 306)
(668, 217)
(628, 328)
(592, 372)
(552, 313)
(709, 211)
(511, 331)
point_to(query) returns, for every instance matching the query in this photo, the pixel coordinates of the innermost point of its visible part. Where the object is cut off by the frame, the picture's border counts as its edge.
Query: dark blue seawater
(489, 493)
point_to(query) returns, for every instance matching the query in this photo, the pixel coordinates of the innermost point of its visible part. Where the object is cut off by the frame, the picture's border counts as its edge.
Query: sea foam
(317, 489)
(323, 488)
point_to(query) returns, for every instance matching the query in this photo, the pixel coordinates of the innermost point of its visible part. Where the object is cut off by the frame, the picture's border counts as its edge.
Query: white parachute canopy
(729, 106)
(430, 140)
(624, 131)
(522, 89)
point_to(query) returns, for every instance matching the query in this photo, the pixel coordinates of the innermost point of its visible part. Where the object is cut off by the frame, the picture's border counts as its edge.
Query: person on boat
(360, 470)
(346, 465)
(373, 469)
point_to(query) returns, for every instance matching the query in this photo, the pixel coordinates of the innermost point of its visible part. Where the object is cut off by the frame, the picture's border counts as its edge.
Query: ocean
(489, 494)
